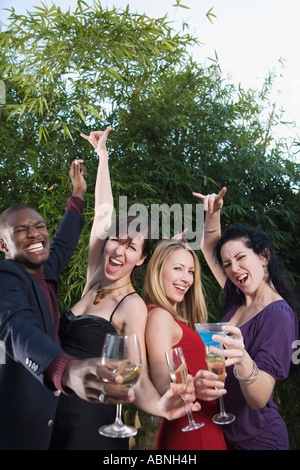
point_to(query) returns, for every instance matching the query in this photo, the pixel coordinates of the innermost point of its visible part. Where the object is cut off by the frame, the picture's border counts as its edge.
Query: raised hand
(78, 177)
(98, 140)
(212, 202)
(180, 236)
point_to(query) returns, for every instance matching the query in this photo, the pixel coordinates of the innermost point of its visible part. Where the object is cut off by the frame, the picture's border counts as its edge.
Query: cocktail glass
(215, 362)
(207, 330)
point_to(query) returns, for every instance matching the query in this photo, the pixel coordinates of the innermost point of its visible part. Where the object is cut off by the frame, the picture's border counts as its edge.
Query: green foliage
(92, 57)
(178, 127)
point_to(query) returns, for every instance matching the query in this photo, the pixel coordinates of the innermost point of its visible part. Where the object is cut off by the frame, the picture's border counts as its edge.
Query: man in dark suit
(36, 370)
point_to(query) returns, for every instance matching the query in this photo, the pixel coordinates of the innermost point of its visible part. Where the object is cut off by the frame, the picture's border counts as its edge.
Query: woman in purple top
(260, 304)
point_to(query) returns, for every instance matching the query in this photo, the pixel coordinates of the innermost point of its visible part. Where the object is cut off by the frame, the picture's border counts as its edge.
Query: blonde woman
(175, 300)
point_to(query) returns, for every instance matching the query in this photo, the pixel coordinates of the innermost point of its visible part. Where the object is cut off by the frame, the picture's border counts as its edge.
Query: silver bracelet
(253, 376)
(212, 231)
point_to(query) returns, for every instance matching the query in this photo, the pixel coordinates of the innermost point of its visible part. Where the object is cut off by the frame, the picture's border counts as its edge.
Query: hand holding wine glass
(215, 361)
(121, 354)
(179, 375)
(210, 334)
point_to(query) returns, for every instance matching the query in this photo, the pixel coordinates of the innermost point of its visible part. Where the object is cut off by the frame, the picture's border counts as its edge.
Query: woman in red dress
(173, 294)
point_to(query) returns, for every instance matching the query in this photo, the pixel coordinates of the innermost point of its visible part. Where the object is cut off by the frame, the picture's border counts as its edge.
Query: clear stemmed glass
(121, 354)
(179, 374)
(207, 330)
(215, 361)
(216, 365)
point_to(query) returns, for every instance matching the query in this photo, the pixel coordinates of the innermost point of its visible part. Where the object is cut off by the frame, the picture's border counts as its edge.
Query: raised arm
(103, 204)
(212, 231)
(78, 177)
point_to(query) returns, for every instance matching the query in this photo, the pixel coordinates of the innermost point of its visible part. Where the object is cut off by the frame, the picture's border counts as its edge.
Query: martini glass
(207, 330)
(215, 361)
(179, 375)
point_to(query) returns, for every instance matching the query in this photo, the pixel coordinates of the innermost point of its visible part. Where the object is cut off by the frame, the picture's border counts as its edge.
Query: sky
(251, 39)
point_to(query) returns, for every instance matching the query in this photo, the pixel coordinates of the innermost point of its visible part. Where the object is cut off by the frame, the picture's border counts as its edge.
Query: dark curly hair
(259, 242)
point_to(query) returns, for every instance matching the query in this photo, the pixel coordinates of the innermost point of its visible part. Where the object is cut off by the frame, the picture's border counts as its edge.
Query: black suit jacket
(27, 403)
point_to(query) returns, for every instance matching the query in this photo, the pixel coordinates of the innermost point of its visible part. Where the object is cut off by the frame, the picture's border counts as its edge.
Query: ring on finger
(102, 397)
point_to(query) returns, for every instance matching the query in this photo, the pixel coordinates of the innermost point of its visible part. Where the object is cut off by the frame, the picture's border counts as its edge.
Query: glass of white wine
(179, 375)
(122, 355)
(215, 361)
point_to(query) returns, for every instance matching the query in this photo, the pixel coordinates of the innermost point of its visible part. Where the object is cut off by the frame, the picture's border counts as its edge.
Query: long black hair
(259, 242)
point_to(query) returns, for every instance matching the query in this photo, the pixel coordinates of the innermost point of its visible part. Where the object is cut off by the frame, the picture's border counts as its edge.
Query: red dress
(210, 436)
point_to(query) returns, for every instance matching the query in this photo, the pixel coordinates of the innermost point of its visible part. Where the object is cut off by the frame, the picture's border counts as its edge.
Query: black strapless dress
(77, 421)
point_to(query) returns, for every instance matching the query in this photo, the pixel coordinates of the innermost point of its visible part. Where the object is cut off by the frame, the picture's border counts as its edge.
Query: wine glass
(215, 361)
(121, 354)
(179, 375)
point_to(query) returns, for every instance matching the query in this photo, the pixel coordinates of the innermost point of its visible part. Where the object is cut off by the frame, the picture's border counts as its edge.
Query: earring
(266, 274)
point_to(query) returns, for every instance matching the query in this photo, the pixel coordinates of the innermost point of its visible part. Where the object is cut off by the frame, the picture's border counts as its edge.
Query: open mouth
(35, 247)
(179, 289)
(114, 265)
(242, 279)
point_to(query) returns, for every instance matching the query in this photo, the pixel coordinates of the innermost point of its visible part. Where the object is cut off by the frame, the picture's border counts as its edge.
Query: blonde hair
(192, 309)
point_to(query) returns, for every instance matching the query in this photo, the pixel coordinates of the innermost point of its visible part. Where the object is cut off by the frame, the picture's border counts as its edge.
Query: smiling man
(29, 316)
(36, 370)
(25, 238)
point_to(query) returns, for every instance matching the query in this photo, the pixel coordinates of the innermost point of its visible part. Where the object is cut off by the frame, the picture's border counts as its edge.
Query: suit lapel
(44, 310)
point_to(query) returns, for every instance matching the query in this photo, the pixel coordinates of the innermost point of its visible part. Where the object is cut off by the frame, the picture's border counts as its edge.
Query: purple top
(268, 339)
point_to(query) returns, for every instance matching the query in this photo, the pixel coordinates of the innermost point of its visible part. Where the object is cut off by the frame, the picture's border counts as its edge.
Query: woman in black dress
(77, 421)
(109, 304)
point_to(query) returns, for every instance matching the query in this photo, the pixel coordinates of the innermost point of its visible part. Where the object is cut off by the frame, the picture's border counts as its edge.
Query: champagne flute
(215, 361)
(179, 375)
(122, 355)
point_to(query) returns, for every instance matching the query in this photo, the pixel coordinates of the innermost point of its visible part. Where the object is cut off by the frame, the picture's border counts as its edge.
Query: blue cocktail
(207, 330)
